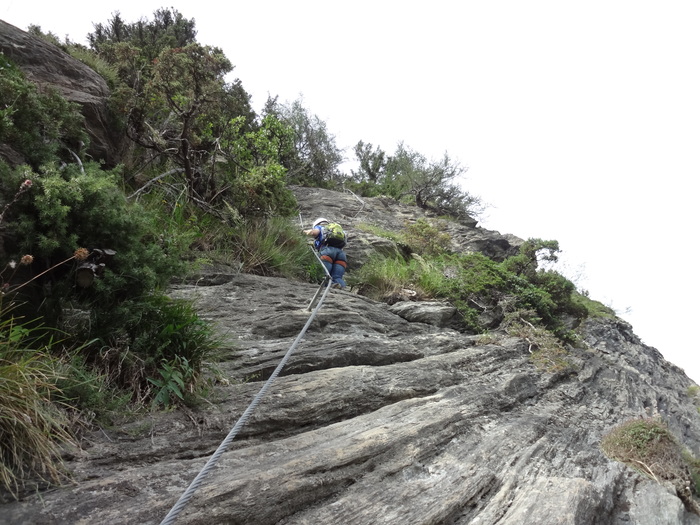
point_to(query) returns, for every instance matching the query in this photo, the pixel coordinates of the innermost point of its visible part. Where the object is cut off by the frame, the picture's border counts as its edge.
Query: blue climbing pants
(336, 262)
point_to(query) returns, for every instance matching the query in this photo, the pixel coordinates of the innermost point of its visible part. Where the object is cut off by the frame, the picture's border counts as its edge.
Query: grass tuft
(33, 429)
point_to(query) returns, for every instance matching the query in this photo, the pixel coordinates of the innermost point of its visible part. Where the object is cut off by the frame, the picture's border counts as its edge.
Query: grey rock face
(433, 313)
(359, 215)
(378, 419)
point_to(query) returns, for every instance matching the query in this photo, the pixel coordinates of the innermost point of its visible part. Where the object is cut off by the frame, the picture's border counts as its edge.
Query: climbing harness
(326, 281)
(187, 495)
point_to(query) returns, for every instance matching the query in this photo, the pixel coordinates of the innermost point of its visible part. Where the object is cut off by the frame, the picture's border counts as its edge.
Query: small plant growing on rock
(426, 239)
(647, 446)
(693, 393)
(546, 350)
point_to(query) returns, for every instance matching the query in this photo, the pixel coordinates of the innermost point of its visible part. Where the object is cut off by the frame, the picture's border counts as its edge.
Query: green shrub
(262, 191)
(40, 125)
(425, 239)
(133, 327)
(150, 334)
(67, 209)
(548, 293)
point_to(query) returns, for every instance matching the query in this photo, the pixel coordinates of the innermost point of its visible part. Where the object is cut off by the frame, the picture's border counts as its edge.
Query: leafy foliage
(170, 383)
(316, 158)
(40, 126)
(132, 326)
(168, 29)
(69, 209)
(257, 183)
(409, 176)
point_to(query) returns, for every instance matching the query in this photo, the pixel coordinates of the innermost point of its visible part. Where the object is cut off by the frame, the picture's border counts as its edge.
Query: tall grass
(382, 277)
(271, 246)
(33, 429)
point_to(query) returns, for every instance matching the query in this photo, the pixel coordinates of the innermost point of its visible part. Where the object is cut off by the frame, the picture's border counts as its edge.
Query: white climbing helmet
(319, 221)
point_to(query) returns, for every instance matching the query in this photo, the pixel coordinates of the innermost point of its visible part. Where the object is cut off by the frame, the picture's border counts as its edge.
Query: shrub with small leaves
(40, 125)
(426, 239)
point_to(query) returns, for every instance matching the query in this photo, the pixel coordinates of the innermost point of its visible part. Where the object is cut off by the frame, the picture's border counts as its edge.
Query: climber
(330, 241)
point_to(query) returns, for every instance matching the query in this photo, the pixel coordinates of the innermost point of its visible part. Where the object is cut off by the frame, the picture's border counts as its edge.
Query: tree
(429, 184)
(173, 115)
(316, 157)
(168, 29)
(372, 163)
(174, 96)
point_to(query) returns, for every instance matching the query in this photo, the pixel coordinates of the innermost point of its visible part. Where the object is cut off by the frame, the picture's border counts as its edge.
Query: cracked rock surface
(377, 419)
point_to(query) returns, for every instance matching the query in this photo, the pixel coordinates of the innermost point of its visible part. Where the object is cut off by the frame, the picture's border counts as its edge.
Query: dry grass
(647, 446)
(32, 428)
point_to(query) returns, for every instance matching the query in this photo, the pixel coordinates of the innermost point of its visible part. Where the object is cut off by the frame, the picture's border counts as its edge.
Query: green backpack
(333, 235)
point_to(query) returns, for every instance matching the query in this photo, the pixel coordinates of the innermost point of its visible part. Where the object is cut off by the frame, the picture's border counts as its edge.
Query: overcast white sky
(577, 121)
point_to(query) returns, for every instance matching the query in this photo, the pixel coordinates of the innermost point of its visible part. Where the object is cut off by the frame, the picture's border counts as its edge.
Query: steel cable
(187, 495)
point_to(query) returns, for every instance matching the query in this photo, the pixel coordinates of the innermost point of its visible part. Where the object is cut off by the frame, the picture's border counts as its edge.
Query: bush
(149, 334)
(133, 328)
(426, 239)
(262, 191)
(67, 209)
(40, 126)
